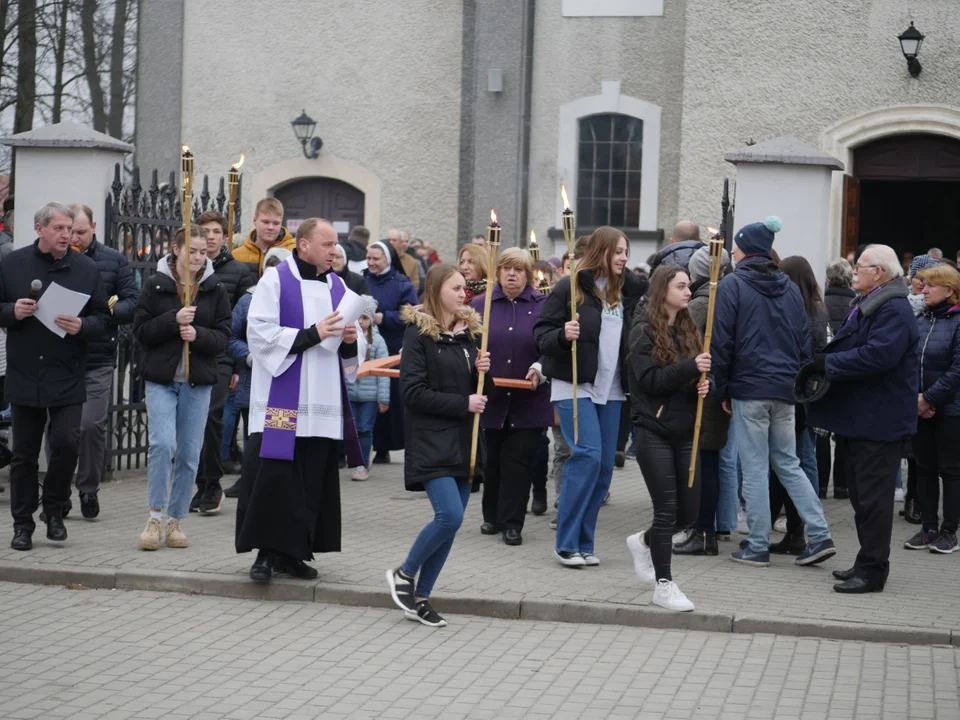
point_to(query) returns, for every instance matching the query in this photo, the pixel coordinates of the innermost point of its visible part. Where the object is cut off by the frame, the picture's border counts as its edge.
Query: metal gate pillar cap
(66, 135)
(783, 150)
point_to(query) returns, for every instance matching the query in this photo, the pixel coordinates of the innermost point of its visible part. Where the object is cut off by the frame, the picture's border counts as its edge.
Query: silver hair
(840, 274)
(885, 257)
(45, 214)
(935, 252)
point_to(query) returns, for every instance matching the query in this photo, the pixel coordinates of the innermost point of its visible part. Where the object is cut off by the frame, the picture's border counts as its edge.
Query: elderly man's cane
(716, 256)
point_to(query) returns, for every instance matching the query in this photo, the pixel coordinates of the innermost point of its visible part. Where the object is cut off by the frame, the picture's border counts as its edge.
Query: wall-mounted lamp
(910, 41)
(303, 128)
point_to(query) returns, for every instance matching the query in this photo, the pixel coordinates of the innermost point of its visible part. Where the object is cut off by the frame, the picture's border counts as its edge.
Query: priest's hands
(483, 362)
(330, 327)
(477, 403)
(350, 334)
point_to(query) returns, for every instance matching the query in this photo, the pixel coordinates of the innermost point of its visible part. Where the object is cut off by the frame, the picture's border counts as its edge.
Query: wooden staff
(716, 257)
(186, 162)
(570, 235)
(493, 248)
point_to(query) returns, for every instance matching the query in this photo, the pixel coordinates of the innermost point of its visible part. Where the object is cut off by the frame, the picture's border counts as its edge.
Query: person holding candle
(604, 312)
(438, 374)
(514, 420)
(473, 266)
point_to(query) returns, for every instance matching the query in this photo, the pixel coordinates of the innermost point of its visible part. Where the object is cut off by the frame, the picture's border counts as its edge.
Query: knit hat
(922, 262)
(699, 266)
(757, 238)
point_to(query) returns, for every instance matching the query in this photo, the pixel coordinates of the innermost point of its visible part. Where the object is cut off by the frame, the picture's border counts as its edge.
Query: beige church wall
(381, 79)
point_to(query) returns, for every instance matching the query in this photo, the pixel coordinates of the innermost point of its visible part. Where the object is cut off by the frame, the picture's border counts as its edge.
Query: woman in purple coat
(514, 420)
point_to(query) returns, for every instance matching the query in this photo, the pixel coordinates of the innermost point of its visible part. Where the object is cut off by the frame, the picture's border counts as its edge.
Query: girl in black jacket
(168, 329)
(664, 368)
(438, 383)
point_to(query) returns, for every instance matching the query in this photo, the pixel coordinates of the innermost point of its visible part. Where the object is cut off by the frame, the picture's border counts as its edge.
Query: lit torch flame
(713, 231)
(493, 217)
(184, 149)
(533, 237)
(563, 194)
(236, 165)
(540, 277)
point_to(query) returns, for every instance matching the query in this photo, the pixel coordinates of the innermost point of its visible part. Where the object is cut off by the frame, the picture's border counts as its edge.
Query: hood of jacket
(874, 300)
(763, 275)
(285, 240)
(677, 254)
(355, 250)
(430, 326)
(163, 268)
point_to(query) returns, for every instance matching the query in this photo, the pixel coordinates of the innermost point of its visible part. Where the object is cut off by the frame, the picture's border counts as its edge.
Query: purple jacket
(512, 351)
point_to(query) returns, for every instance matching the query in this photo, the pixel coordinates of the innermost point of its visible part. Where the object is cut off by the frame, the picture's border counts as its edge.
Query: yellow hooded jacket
(251, 254)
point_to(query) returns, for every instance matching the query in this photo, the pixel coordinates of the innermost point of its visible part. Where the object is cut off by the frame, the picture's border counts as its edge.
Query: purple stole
(283, 404)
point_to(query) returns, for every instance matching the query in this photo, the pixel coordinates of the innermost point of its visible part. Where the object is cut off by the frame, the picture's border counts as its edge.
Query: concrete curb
(511, 607)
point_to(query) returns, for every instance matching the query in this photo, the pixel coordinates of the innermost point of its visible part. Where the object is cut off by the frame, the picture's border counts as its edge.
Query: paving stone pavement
(381, 520)
(108, 654)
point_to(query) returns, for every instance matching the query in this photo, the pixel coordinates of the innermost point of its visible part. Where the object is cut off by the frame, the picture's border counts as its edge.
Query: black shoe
(67, 507)
(619, 459)
(401, 590)
(197, 497)
(845, 574)
(22, 539)
(857, 585)
(55, 529)
(381, 458)
(823, 492)
(911, 513)
(841, 493)
(295, 568)
(89, 505)
(262, 569)
(488, 529)
(233, 491)
(723, 535)
(512, 537)
(539, 504)
(789, 545)
(211, 500)
(426, 615)
(699, 542)
(231, 467)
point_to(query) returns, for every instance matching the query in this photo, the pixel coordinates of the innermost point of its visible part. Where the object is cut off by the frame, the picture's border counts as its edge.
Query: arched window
(609, 161)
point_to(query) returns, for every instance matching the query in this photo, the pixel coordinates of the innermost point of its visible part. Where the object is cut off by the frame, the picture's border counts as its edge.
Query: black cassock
(290, 506)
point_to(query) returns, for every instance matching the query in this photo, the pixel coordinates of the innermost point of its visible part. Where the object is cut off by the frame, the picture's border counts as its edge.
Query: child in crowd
(368, 396)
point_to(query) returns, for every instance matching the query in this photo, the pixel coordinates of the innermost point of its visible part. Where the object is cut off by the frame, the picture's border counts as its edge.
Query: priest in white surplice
(289, 504)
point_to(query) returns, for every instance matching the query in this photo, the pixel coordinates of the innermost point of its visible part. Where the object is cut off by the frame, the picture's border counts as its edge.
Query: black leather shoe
(22, 540)
(789, 545)
(488, 529)
(295, 568)
(233, 491)
(89, 505)
(698, 543)
(512, 537)
(841, 493)
(262, 569)
(844, 574)
(539, 504)
(619, 459)
(55, 529)
(67, 507)
(857, 585)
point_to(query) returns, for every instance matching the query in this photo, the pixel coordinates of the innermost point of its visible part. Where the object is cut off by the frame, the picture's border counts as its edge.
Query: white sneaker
(642, 562)
(899, 495)
(742, 526)
(780, 525)
(668, 596)
(590, 560)
(360, 473)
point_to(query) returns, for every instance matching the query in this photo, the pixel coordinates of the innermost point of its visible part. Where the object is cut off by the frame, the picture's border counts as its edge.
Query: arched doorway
(328, 198)
(904, 192)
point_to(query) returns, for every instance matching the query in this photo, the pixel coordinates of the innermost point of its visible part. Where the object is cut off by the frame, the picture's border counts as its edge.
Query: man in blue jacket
(871, 406)
(761, 337)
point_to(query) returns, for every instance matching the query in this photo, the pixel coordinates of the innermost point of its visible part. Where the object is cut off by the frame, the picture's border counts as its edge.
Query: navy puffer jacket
(940, 358)
(117, 278)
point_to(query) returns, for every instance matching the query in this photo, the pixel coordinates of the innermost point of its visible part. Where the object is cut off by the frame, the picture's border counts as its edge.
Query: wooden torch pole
(186, 162)
(570, 235)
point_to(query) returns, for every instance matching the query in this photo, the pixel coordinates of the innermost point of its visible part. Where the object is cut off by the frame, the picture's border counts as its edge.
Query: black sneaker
(426, 615)
(401, 590)
(295, 568)
(945, 543)
(922, 540)
(381, 458)
(195, 501)
(211, 500)
(89, 505)
(233, 491)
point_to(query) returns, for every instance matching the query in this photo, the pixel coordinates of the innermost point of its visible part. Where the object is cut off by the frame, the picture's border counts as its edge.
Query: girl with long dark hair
(664, 367)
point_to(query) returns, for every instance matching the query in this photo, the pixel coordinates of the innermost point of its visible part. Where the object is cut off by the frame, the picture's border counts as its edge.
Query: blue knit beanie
(757, 238)
(922, 262)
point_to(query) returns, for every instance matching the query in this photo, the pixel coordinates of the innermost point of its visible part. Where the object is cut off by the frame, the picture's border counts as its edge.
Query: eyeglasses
(861, 267)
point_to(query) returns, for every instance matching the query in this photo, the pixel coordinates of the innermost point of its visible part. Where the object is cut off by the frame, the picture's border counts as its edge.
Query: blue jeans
(176, 415)
(231, 413)
(364, 416)
(807, 452)
(730, 481)
(449, 498)
(588, 472)
(765, 437)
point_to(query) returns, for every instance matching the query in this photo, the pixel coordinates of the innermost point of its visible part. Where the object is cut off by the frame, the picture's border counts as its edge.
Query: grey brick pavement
(381, 519)
(111, 654)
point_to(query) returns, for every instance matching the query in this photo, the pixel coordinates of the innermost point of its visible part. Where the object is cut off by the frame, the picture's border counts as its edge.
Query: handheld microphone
(35, 287)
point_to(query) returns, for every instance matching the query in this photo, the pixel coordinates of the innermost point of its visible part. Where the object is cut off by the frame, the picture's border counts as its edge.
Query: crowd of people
(797, 388)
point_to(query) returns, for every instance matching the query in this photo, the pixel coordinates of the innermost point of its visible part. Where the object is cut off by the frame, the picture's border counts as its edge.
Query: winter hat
(757, 238)
(699, 266)
(277, 252)
(922, 262)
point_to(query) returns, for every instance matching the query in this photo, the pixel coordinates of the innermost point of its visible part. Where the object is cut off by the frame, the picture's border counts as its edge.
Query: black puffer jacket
(676, 254)
(555, 313)
(839, 303)
(235, 276)
(117, 281)
(354, 281)
(940, 358)
(156, 329)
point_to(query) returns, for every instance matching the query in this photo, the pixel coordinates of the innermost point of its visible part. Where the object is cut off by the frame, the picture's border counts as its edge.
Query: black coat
(156, 329)
(117, 278)
(235, 277)
(555, 313)
(839, 303)
(354, 281)
(437, 377)
(715, 424)
(43, 369)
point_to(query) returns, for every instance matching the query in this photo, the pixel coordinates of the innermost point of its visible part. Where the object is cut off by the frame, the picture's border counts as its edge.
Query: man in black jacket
(684, 242)
(46, 370)
(236, 278)
(120, 288)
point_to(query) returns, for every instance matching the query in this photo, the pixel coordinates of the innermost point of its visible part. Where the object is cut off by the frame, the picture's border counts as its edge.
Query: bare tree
(117, 47)
(91, 60)
(26, 66)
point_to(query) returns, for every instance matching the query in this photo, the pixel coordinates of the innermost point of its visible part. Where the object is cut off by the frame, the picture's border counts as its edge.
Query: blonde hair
(479, 255)
(942, 275)
(519, 259)
(269, 205)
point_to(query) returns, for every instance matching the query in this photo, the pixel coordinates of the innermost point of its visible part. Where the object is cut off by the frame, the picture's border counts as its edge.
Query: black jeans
(872, 474)
(665, 466)
(508, 474)
(626, 425)
(211, 455)
(936, 448)
(840, 466)
(709, 463)
(540, 464)
(63, 437)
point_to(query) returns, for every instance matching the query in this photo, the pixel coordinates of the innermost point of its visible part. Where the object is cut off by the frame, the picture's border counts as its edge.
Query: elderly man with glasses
(871, 406)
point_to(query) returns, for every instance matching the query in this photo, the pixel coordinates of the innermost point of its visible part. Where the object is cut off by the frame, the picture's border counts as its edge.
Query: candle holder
(570, 235)
(543, 284)
(533, 248)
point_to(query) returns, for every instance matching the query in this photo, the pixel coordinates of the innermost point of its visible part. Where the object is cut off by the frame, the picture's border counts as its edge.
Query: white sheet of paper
(351, 307)
(57, 300)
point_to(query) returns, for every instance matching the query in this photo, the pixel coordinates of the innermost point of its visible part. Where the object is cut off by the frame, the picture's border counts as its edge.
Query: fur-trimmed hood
(429, 326)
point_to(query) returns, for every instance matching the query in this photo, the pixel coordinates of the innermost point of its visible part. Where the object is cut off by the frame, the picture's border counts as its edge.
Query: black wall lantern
(303, 128)
(910, 41)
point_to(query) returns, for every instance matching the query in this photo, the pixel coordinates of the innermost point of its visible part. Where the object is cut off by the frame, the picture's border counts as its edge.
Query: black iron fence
(140, 223)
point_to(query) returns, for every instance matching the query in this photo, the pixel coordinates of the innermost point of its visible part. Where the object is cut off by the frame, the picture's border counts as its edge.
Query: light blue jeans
(177, 415)
(730, 481)
(765, 437)
(588, 471)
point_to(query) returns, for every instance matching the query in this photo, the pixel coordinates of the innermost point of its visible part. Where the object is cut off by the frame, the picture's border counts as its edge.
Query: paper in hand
(57, 300)
(351, 307)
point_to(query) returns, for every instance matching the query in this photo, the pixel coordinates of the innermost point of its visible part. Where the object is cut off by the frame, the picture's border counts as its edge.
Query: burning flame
(540, 277)
(236, 165)
(533, 239)
(184, 149)
(712, 230)
(493, 217)
(563, 194)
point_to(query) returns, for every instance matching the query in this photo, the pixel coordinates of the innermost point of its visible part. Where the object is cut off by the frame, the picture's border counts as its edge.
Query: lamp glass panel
(910, 46)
